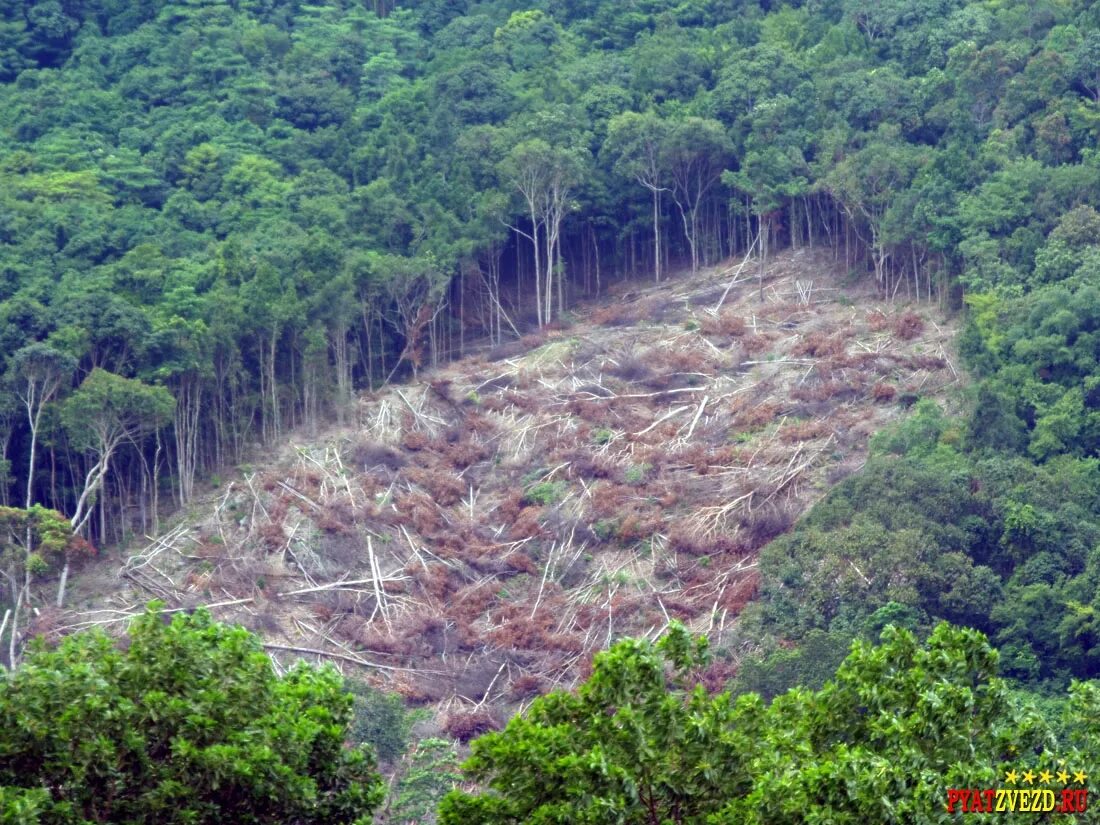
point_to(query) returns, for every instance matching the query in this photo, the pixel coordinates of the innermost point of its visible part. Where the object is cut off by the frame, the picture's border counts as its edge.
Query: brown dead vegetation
(476, 538)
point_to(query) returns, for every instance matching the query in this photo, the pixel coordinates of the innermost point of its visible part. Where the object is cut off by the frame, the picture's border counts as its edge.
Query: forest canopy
(262, 206)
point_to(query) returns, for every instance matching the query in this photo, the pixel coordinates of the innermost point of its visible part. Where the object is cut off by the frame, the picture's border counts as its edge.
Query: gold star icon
(1011, 777)
(1029, 777)
(1079, 777)
(1045, 777)
(1063, 777)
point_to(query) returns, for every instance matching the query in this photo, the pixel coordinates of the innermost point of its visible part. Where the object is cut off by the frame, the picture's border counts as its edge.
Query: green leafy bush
(643, 741)
(185, 722)
(545, 493)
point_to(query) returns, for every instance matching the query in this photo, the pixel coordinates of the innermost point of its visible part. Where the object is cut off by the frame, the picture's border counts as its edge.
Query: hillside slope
(475, 536)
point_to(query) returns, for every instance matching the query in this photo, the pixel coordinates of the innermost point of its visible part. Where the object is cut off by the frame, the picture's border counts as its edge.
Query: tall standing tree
(105, 412)
(868, 181)
(695, 152)
(39, 372)
(545, 177)
(634, 145)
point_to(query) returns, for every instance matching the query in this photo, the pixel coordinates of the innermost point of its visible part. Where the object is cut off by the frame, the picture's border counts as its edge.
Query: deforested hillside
(472, 538)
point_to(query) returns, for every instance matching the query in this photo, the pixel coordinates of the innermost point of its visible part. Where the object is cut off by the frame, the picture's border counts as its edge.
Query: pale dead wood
(357, 660)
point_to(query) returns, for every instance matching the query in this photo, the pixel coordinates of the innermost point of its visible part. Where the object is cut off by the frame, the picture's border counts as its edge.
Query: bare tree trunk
(342, 363)
(596, 255)
(765, 230)
(657, 234)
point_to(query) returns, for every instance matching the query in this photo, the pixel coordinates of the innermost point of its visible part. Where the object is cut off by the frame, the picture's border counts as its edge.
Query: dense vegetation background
(260, 206)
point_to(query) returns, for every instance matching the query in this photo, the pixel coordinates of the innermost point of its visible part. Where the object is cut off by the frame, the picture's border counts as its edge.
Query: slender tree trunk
(764, 225)
(596, 256)
(561, 273)
(657, 234)
(342, 364)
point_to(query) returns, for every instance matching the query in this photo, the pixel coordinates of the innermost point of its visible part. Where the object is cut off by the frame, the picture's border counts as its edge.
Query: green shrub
(545, 493)
(188, 723)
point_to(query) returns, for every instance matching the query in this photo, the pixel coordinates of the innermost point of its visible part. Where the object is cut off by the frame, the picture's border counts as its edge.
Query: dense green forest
(219, 220)
(259, 207)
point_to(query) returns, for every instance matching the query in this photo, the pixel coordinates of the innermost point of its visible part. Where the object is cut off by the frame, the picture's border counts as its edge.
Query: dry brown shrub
(518, 633)
(421, 513)
(756, 416)
(631, 366)
(877, 320)
(621, 314)
(827, 390)
(526, 523)
(336, 520)
(584, 464)
(272, 536)
(928, 362)
(638, 523)
(508, 508)
(764, 523)
(883, 392)
(688, 359)
(803, 431)
(416, 690)
(737, 595)
(908, 326)
(682, 609)
(754, 343)
(479, 423)
(526, 686)
(596, 413)
(533, 340)
(471, 602)
(467, 725)
(819, 345)
(726, 323)
(465, 453)
(522, 563)
(372, 640)
(434, 578)
(415, 440)
(277, 511)
(495, 403)
(443, 487)
(610, 500)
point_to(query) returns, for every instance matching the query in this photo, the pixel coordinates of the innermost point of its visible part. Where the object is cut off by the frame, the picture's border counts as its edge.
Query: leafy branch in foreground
(186, 722)
(642, 742)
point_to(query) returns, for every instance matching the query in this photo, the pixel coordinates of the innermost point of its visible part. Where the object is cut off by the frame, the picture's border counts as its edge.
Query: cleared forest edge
(475, 537)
